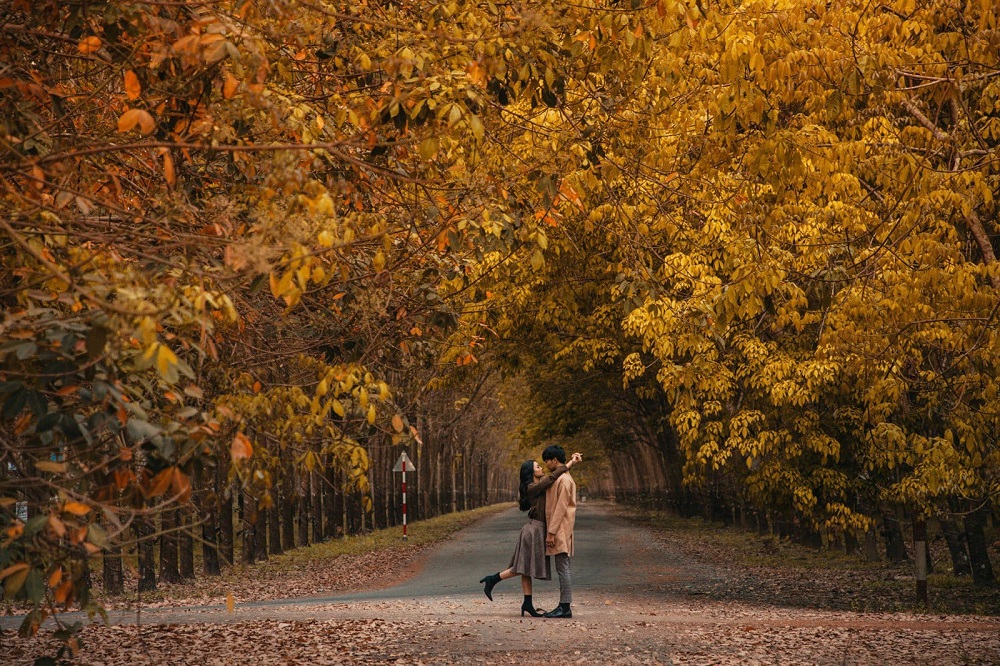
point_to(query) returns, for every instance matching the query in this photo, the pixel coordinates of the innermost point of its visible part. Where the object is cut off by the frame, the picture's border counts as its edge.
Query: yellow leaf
(166, 360)
(241, 447)
(89, 44)
(13, 569)
(371, 414)
(338, 408)
(132, 86)
(76, 508)
(15, 581)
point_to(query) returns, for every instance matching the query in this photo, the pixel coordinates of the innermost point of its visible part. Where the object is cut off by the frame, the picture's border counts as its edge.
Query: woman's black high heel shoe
(490, 581)
(529, 608)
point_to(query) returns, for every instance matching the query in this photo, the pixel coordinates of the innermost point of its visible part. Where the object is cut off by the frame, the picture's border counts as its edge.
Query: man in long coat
(560, 518)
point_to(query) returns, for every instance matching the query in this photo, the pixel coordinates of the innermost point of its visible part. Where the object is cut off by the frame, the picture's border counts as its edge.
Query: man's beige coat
(560, 514)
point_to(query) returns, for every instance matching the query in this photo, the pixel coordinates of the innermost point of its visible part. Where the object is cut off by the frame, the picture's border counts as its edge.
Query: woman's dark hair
(527, 476)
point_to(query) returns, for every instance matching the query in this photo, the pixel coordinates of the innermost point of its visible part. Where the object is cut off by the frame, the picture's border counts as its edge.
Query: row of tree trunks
(641, 475)
(307, 508)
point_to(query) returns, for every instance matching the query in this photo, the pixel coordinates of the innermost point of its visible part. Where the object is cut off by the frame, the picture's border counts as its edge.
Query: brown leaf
(132, 86)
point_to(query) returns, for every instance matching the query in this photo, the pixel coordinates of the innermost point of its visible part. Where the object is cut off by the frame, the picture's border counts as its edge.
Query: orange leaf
(132, 86)
(159, 483)
(56, 577)
(180, 485)
(22, 423)
(168, 169)
(62, 593)
(241, 447)
(89, 44)
(57, 526)
(229, 86)
(76, 508)
(133, 117)
(397, 423)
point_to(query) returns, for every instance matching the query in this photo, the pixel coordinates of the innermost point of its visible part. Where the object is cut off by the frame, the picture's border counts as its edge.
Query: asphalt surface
(604, 546)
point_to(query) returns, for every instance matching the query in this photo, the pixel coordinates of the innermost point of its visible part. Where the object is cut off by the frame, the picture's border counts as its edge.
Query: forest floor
(649, 589)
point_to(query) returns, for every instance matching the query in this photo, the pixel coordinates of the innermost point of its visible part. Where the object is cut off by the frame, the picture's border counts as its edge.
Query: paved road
(604, 547)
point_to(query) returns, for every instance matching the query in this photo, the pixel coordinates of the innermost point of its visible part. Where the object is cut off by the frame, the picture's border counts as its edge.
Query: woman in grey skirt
(529, 560)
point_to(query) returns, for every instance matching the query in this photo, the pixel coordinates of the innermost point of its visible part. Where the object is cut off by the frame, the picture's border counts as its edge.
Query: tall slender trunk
(274, 528)
(979, 556)
(895, 545)
(249, 515)
(227, 530)
(288, 504)
(260, 533)
(114, 580)
(186, 545)
(169, 572)
(305, 502)
(147, 559)
(208, 500)
(954, 536)
(316, 485)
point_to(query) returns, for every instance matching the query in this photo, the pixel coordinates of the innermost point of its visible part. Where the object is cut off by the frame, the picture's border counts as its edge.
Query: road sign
(404, 460)
(404, 465)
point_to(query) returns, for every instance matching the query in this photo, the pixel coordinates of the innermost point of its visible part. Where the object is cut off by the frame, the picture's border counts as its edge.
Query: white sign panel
(410, 467)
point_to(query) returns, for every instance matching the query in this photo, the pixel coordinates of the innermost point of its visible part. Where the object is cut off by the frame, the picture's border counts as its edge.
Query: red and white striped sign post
(404, 465)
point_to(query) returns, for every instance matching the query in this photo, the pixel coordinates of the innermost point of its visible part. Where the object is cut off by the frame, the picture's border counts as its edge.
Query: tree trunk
(209, 546)
(114, 580)
(186, 545)
(227, 530)
(209, 502)
(288, 504)
(249, 528)
(305, 501)
(895, 545)
(954, 536)
(147, 559)
(979, 556)
(317, 506)
(454, 486)
(169, 572)
(260, 533)
(274, 529)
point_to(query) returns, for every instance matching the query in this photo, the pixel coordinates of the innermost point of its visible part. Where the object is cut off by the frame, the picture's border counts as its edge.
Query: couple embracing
(550, 500)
